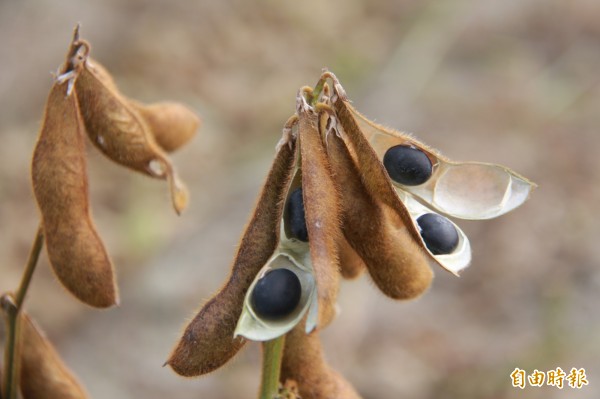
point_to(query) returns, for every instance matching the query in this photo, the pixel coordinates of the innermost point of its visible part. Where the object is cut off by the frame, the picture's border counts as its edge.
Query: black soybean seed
(296, 217)
(407, 165)
(439, 233)
(276, 294)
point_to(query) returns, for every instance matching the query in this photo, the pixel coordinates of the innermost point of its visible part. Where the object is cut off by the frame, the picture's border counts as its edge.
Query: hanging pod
(60, 185)
(322, 210)
(303, 362)
(208, 340)
(378, 184)
(116, 128)
(284, 290)
(466, 190)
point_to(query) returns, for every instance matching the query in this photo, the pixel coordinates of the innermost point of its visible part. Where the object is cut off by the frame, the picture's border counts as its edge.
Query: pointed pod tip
(180, 200)
(76, 31)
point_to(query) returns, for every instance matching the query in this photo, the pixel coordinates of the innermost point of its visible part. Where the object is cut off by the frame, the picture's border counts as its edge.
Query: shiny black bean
(439, 233)
(295, 215)
(276, 294)
(407, 165)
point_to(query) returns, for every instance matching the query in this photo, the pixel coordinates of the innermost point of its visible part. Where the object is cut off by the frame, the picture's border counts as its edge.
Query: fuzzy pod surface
(395, 262)
(43, 374)
(304, 363)
(172, 124)
(322, 213)
(118, 130)
(208, 340)
(60, 185)
(351, 264)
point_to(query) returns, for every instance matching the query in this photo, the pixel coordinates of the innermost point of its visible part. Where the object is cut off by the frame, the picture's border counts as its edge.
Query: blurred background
(512, 82)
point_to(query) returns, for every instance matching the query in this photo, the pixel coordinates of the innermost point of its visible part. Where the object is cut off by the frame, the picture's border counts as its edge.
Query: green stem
(12, 306)
(272, 355)
(317, 91)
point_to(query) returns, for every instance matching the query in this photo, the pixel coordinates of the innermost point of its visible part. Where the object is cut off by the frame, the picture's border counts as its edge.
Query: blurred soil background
(512, 82)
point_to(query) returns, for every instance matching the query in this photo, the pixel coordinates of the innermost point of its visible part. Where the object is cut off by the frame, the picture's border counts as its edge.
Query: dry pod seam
(208, 340)
(59, 176)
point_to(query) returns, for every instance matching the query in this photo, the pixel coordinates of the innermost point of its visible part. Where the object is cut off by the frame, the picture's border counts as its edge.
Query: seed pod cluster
(353, 197)
(84, 99)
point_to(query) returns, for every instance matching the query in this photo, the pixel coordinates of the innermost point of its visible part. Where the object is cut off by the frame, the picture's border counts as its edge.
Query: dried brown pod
(322, 210)
(303, 362)
(208, 340)
(116, 128)
(172, 124)
(43, 375)
(396, 263)
(60, 185)
(260, 321)
(379, 186)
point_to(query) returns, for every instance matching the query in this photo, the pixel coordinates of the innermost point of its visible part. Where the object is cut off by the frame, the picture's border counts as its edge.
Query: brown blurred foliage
(508, 82)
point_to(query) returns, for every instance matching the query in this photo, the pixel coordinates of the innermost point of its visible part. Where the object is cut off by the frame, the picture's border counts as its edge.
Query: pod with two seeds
(208, 340)
(466, 190)
(397, 265)
(59, 176)
(308, 247)
(379, 185)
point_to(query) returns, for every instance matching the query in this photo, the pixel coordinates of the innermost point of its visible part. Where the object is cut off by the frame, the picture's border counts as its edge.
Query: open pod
(465, 190)
(208, 340)
(259, 321)
(309, 232)
(455, 259)
(384, 241)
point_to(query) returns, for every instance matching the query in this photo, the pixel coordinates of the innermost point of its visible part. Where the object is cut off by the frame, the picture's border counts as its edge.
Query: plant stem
(12, 306)
(317, 91)
(34, 255)
(272, 355)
